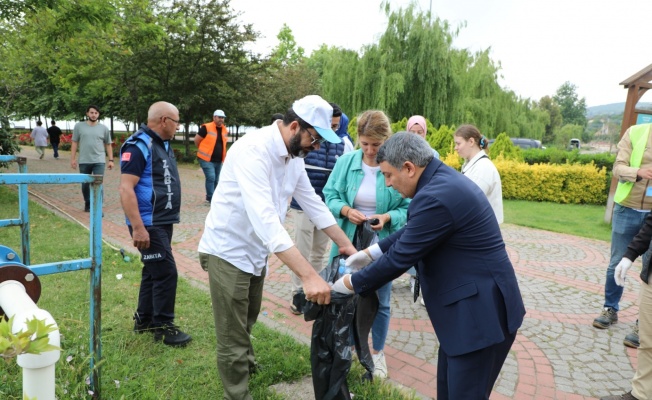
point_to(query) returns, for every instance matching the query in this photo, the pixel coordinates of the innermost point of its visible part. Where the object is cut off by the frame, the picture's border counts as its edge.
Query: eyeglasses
(319, 140)
(176, 121)
(335, 127)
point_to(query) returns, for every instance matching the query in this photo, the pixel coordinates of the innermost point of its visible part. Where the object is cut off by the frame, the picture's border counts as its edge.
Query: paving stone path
(557, 353)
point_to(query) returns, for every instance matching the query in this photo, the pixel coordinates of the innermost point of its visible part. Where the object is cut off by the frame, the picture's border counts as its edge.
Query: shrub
(442, 140)
(65, 141)
(503, 146)
(24, 139)
(561, 183)
(557, 156)
(453, 160)
(180, 155)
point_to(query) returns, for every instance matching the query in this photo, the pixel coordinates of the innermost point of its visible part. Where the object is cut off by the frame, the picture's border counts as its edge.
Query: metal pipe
(38, 369)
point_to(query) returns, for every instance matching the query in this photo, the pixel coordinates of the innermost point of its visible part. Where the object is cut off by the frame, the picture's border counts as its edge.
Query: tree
(286, 53)
(568, 132)
(333, 67)
(573, 110)
(279, 81)
(554, 118)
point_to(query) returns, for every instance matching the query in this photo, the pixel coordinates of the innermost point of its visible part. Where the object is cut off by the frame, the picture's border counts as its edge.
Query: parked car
(574, 144)
(523, 143)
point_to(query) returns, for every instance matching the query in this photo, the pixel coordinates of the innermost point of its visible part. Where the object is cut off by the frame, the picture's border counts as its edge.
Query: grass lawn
(133, 366)
(573, 219)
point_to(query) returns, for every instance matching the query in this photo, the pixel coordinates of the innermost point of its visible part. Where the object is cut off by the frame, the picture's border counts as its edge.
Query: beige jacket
(623, 172)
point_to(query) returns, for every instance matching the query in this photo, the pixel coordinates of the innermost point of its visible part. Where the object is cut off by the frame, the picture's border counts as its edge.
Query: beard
(295, 147)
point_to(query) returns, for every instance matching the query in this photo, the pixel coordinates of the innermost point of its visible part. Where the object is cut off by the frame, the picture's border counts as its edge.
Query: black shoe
(142, 325)
(171, 335)
(631, 339)
(87, 208)
(298, 302)
(608, 317)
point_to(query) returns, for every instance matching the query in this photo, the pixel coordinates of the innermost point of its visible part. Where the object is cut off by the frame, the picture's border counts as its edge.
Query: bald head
(161, 109)
(162, 118)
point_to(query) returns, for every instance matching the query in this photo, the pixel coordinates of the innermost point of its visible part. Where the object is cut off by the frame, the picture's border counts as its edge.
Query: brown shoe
(626, 396)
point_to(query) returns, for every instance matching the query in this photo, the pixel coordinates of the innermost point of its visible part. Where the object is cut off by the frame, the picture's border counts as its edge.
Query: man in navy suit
(468, 283)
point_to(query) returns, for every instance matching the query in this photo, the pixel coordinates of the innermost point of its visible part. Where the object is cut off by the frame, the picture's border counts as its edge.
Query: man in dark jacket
(642, 381)
(150, 194)
(54, 132)
(469, 285)
(312, 242)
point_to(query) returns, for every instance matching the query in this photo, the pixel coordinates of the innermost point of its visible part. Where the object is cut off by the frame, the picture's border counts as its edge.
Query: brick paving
(557, 353)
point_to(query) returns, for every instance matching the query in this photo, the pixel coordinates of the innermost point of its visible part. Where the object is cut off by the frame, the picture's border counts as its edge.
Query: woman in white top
(470, 145)
(356, 192)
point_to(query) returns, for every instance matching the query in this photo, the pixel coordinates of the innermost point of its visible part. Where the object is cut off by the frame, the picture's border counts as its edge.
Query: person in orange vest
(211, 150)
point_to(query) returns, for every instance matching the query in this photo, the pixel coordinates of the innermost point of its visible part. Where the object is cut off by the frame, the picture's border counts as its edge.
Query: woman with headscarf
(417, 124)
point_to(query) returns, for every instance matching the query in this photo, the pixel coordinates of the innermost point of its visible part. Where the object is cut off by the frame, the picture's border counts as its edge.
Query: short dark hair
(39, 123)
(52, 122)
(337, 111)
(405, 146)
(290, 116)
(95, 107)
(276, 117)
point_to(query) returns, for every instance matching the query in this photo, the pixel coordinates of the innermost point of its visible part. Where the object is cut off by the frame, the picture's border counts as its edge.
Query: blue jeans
(93, 169)
(55, 149)
(625, 224)
(381, 322)
(212, 173)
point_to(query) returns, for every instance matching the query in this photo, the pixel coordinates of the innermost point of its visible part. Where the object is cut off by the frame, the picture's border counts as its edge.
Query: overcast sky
(540, 44)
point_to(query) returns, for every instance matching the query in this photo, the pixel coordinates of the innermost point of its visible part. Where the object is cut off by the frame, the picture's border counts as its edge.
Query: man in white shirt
(260, 174)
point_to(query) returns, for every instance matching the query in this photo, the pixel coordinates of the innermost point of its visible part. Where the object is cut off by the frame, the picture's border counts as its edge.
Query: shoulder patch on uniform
(126, 156)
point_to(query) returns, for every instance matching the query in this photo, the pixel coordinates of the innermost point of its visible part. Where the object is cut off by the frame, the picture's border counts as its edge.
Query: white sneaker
(380, 367)
(423, 303)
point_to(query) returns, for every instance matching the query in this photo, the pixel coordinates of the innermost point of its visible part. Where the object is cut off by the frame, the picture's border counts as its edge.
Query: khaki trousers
(236, 298)
(642, 382)
(312, 243)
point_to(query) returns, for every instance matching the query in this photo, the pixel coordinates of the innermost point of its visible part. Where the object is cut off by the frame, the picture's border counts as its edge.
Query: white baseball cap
(318, 113)
(219, 113)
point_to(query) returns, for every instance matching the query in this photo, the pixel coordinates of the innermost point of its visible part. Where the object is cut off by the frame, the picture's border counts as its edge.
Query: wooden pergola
(636, 86)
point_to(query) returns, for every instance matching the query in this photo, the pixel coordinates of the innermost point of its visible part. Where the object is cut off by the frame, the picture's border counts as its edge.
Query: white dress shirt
(258, 178)
(483, 172)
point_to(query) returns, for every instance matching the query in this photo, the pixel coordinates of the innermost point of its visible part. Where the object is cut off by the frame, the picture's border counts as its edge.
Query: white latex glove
(339, 286)
(621, 271)
(358, 261)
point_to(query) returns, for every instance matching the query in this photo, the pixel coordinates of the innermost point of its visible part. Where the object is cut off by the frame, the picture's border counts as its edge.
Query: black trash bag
(345, 317)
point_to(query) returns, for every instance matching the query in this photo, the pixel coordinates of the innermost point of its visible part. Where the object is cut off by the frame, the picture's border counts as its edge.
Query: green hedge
(557, 156)
(559, 183)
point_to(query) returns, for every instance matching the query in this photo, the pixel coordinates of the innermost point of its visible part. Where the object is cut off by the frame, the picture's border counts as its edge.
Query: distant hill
(610, 109)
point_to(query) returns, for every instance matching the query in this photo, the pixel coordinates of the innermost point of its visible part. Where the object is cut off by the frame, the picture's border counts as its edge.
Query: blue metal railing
(93, 263)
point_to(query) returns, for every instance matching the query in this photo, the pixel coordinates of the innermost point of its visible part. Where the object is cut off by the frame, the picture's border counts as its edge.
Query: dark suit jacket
(641, 244)
(467, 280)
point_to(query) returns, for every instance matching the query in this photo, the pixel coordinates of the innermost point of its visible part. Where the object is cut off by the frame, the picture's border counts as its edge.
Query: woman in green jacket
(356, 192)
